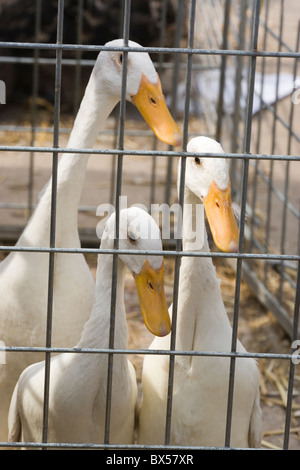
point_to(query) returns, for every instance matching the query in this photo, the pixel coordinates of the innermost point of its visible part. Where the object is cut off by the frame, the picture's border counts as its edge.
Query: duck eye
(197, 161)
(132, 237)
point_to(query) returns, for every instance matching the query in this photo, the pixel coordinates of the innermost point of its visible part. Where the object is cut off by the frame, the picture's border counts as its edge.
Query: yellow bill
(151, 104)
(150, 287)
(221, 219)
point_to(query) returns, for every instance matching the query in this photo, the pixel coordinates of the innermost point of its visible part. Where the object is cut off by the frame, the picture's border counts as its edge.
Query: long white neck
(93, 368)
(96, 330)
(200, 304)
(93, 112)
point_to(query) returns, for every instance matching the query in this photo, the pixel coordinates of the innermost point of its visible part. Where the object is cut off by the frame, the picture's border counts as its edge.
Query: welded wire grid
(230, 48)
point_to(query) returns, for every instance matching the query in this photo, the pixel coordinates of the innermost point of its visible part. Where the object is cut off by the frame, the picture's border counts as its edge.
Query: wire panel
(229, 71)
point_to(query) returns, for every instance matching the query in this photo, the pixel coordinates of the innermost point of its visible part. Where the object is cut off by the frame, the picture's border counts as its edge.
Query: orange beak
(150, 286)
(151, 104)
(221, 219)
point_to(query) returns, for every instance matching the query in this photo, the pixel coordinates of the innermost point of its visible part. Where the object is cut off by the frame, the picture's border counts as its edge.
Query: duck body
(78, 381)
(23, 275)
(200, 391)
(24, 294)
(199, 404)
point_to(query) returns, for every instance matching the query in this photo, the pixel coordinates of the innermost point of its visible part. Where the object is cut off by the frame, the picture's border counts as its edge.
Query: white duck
(200, 392)
(78, 381)
(24, 276)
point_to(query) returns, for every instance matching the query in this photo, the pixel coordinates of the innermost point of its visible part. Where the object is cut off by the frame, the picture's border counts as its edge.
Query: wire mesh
(216, 77)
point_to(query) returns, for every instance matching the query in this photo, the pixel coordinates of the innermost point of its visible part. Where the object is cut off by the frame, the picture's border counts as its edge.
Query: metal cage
(229, 72)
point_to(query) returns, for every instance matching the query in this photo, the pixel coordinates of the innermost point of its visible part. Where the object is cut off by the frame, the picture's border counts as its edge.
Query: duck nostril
(150, 285)
(152, 101)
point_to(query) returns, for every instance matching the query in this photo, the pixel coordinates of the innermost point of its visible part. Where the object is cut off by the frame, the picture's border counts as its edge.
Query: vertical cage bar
(117, 222)
(235, 143)
(78, 55)
(287, 176)
(292, 363)
(258, 138)
(163, 23)
(178, 241)
(242, 225)
(60, 16)
(178, 34)
(35, 87)
(223, 69)
(113, 171)
(238, 82)
(273, 145)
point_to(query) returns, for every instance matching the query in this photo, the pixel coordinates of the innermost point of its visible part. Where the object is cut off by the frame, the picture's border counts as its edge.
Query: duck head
(208, 179)
(139, 232)
(143, 88)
